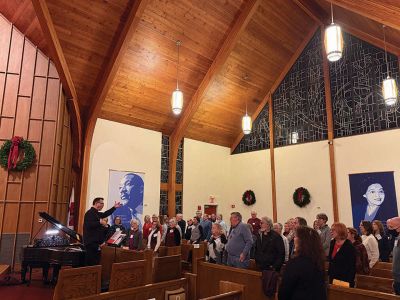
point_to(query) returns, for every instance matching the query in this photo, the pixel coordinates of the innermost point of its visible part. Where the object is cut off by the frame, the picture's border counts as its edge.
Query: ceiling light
(177, 95)
(333, 40)
(389, 87)
(246, 123)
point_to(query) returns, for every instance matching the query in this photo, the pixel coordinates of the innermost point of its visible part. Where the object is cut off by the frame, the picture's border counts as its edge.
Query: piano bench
(4, 269)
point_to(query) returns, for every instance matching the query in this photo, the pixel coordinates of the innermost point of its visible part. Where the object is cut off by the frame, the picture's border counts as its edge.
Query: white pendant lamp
(333, 41)
(389, 86)
(246, 123)
(177, 95)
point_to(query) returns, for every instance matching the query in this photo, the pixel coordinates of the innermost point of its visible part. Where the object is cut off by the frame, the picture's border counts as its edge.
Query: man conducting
(93, 233)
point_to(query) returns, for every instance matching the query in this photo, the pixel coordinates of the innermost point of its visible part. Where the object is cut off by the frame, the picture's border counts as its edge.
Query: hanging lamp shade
(246, 124)
(294, 137)
(177, 101)
(333, 42)
(389, 91)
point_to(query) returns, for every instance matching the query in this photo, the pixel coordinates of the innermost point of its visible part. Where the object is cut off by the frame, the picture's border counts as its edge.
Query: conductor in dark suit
(93, 230)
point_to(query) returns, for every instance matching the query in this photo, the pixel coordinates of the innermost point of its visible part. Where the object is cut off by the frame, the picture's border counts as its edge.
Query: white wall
(373, 152)
(127, 148)
(251, 171)
(305, 165)
(205, 172)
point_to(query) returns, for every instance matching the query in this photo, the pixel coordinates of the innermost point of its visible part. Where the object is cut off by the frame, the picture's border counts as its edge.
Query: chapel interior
(209, 101)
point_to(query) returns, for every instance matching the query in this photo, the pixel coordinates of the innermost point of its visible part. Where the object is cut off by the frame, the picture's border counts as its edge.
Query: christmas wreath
(301, 197)
(9, 154)
(249, 198)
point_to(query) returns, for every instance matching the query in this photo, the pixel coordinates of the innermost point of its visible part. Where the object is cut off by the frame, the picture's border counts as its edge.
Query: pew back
(78, 282)
(128, 274)
(383, 265)
(343, 293)
(209, 276)
(167, 268)
(381, 273)
(124, 255)
(372, 283)
(108, 255)
(155, 290)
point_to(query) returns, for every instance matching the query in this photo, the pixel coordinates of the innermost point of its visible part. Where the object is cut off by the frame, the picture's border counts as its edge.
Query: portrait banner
(373, 197)
(127, 188)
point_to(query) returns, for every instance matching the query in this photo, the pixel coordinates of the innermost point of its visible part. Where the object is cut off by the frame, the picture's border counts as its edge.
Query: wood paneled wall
(32, 105)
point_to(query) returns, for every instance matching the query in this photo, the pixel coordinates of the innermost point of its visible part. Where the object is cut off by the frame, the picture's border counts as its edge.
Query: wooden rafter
(322, 17)
(57, 55)
(281, 76)
(194, 103)
(384, 12)
(110, 68)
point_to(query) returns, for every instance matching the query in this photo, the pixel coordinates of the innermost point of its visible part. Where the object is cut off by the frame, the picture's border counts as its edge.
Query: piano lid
(76, 236)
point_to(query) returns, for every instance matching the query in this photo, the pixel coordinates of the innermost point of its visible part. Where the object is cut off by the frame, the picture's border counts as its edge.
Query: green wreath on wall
(249, 198)
(301, 197)
(9, 154)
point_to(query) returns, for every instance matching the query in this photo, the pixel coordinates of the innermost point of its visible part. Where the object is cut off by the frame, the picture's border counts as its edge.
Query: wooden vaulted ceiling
(140, 91)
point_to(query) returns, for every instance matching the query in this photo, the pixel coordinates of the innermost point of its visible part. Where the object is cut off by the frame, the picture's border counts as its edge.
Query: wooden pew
(124, 255)
(383, 265)
(381, 273)
(155, 290)
(78, 282)
(372, 283)
(174, 251)
(108, 257)
(343, 293)
(209, 275)
(4, 269)
(167, 268)
(128, 274)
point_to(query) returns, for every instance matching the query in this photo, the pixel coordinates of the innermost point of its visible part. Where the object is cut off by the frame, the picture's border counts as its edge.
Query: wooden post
(272, 157)
(329, 114)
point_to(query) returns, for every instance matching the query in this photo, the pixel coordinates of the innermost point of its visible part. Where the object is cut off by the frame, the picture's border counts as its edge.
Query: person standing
(342, 256)
(239, 243)
(147, 227)
(278, 229)
(93, 230)
(394, 224)
(325, 232)
(370, 242)
(206, 225)
(172, 236)
(181, 223)
(383, 240)
(362, 263)
(304, 274)
(269, 248)
(134, 237)
(254, 222)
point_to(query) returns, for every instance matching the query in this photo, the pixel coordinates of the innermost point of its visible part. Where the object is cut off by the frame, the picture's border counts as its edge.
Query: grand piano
(53, 251)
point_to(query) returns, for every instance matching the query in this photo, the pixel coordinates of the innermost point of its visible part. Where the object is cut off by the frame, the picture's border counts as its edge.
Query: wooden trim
(50, 34)
(278, 81)
(272, 158)
(379, 11)
(329, 115)
(110, 67)
(178, 187)
(163, 186)
(173, 154)
(369, 38)
(313, 11)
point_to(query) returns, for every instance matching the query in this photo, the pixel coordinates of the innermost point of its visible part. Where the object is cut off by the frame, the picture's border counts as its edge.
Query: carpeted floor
(35, 291)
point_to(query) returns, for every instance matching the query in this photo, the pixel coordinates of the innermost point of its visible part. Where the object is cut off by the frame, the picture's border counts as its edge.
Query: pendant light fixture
(333, 40)
(389, 87)
(177, 95)
(246, 123)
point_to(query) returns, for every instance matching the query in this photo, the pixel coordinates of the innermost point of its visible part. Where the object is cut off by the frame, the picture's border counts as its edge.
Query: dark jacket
(134, 239)
(384, 248)
(93, 231)
(188, 233)
(269, 251)
(362, 262)
(343, 266)
(182, 225)
(302, 281)
(175, 241)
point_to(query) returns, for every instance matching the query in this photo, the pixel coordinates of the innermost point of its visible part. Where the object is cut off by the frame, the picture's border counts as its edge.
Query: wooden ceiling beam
(312, 10)
(215, 67)
(277, 82)
(116, 52)
(380, 11)
(57, 55)
(318, 14)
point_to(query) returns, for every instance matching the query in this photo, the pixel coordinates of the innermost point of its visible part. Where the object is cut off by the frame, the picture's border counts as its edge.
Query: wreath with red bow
(301, 197)
(249, 198)
(12, 158)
